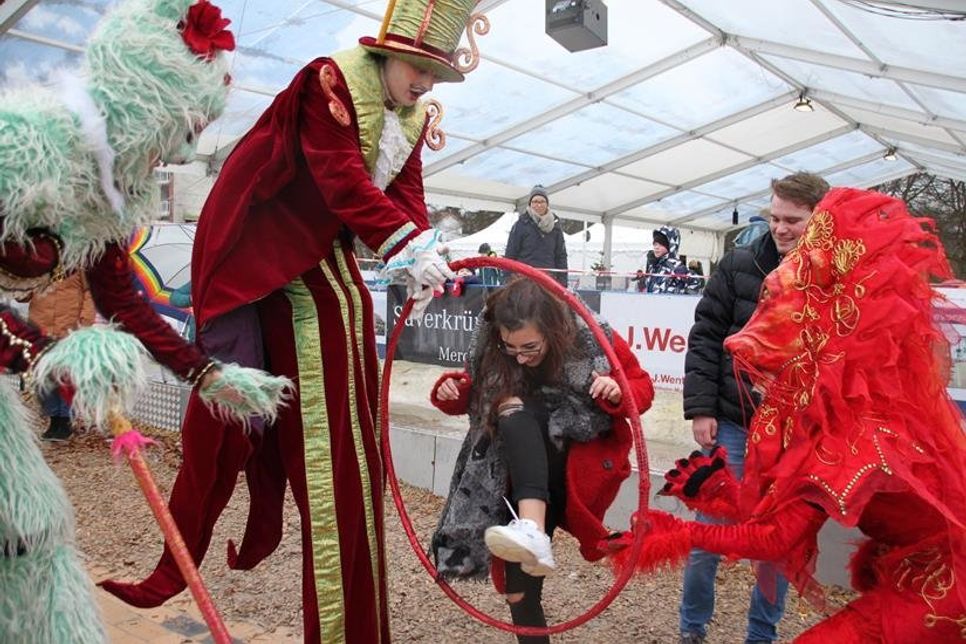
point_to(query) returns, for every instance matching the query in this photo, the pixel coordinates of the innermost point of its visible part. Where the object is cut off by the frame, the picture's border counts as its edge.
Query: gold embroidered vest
(361, 72)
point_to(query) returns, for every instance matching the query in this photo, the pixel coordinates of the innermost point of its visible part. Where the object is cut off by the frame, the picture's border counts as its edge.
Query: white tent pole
(608, 241)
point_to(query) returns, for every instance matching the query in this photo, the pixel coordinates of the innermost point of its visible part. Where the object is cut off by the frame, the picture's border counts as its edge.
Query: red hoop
(617, 372)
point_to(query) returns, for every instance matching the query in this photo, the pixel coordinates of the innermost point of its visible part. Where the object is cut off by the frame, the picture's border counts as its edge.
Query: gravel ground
(117, 532)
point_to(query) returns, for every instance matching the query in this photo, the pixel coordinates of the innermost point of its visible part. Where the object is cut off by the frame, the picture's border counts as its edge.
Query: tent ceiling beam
(488, 5)
(698, 133)
(846, 63)
(758, 194)
(13, 10)
(544, 155)
(893, 135)
(919, 118)
(925, 158)
(696, 18)
(575, 104)
(946, 171)
(252, 89)
(831, 17)
(348, 5)
(830, 106)
(617, 219)
(42, 40)
(738, 167)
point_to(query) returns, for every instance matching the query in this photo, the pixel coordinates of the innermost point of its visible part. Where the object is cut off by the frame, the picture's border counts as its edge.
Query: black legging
(536, 470)
(529, 610)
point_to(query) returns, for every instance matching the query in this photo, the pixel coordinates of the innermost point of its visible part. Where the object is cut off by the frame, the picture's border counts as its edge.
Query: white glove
(422, 295)
(423, 267)
(428, 267)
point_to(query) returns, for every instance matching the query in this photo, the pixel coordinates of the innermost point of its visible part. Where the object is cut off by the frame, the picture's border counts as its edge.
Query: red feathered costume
(855, 426)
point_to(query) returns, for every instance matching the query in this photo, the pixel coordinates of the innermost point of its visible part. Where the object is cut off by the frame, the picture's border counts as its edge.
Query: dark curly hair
(519, 303)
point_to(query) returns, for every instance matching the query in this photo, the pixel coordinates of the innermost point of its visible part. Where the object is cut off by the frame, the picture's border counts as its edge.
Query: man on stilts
(276, 284)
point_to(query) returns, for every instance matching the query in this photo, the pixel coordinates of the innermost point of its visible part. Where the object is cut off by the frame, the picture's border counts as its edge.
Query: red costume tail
(666, 545)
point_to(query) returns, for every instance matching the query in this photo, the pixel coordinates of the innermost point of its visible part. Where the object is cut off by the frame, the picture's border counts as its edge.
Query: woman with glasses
(547, 446)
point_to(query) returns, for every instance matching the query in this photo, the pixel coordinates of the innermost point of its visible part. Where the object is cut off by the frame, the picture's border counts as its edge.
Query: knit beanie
(538, 190)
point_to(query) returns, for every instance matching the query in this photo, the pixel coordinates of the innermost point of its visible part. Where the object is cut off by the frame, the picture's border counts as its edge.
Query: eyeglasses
(526, 352)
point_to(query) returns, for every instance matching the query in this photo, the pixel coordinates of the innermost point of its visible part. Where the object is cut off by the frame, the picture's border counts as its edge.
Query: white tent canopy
(683, 117)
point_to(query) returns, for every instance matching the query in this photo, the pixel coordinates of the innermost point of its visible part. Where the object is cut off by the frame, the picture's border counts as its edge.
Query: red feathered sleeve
(788, 538)
(112, 287)
(640, 381)
(20, 342)
(463, 384)
(332, 156)
(770, 539)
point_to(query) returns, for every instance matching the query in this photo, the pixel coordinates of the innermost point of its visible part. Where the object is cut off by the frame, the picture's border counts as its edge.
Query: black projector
(577, 24)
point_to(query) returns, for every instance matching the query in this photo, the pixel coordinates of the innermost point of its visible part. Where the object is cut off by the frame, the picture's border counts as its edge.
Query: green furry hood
(78, 158)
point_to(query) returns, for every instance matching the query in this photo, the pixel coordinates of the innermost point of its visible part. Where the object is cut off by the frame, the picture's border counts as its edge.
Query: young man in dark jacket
(718, 406)
(537, 238)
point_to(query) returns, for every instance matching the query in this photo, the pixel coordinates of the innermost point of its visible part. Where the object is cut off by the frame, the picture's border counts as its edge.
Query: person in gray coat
(537, 239)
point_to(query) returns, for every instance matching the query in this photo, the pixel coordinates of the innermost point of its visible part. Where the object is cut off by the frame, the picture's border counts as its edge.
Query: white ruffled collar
(394, 150)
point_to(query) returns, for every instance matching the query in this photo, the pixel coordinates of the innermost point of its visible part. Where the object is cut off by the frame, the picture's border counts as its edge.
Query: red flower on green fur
(204, 30)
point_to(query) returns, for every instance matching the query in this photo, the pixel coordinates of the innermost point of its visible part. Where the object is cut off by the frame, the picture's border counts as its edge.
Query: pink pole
(219, 633)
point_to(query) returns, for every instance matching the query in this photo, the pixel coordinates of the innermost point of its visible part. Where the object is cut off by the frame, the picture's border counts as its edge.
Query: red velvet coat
(288, 189)
(596, 469)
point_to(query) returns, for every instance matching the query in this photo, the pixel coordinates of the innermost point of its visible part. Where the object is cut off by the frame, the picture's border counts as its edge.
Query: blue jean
(53, 405)
(697, 598)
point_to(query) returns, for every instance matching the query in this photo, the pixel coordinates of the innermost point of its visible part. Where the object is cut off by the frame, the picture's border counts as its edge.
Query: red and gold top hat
(424, 33)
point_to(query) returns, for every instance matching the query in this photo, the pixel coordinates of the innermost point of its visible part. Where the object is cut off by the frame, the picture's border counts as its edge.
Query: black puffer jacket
(529, 245)
(729, 299)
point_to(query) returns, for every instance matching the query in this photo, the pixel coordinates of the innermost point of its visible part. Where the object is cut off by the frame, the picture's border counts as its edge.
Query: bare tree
(941, 199)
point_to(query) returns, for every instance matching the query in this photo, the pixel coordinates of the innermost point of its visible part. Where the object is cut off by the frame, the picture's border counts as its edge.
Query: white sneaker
(521, 541)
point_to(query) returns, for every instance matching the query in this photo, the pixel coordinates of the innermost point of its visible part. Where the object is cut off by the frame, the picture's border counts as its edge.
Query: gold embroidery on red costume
(329, 81)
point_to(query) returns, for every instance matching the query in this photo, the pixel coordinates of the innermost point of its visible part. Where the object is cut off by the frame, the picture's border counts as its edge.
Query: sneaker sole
(536, 570)
(507, 549)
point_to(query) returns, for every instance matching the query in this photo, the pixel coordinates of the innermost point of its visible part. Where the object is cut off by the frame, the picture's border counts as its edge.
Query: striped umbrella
(161, 259)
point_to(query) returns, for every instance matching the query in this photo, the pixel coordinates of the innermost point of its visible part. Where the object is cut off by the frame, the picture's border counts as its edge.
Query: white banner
(954, 317)
(656, 327)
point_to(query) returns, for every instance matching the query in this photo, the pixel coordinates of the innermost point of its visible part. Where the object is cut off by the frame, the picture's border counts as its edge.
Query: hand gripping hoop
(643, 487)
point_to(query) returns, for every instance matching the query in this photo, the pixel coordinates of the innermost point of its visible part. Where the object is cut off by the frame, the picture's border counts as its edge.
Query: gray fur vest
(480, 480)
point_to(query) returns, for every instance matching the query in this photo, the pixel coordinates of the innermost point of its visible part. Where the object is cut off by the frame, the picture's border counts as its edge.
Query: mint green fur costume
(149, 93)
(77, 159)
